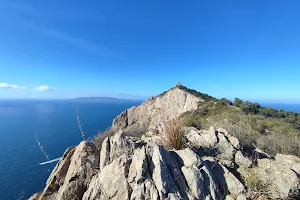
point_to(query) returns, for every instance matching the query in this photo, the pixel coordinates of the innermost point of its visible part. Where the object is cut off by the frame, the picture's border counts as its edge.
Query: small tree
(237, 102)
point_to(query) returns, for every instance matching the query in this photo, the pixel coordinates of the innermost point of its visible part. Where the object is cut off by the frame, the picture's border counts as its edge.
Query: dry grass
(101, 135)
(41, 148)
(174, 135)
(256, 186)
(271, 135)
(79, 123)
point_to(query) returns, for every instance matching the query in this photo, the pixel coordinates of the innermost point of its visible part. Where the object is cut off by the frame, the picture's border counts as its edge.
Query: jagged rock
(34, 197)
(226, 150)
(230, 184)
(224, 131)
(162, 175)
(195, 180)
(104, 154)
(145, 190)
(111, 182)
(290, 161)
(194, 171)
(132, 168)
(73, 173)
(158, 109)
(282, 181)
(139, 170)
(188, 158)
(241, 160)
(204, 139)
(138, 167)
(234, 142)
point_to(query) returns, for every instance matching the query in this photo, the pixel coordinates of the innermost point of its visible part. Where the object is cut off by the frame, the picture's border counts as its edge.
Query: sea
(54, 124)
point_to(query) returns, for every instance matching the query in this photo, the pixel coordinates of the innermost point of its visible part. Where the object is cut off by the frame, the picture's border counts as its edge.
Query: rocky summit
(211, 164)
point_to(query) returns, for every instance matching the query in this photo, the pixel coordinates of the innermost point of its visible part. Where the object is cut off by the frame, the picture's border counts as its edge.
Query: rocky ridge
(212, 166)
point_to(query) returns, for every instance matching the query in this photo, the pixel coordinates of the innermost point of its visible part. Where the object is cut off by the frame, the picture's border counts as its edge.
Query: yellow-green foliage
(273, 135)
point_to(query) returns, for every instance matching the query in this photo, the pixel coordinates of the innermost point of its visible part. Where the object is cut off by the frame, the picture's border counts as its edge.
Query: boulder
(225, 148)
(73, 173)
(111, 182)
(289, 161)
(131, 169)
(230, 184)
(241, 160)
(282, 180)
(204, 139)
(234, 142)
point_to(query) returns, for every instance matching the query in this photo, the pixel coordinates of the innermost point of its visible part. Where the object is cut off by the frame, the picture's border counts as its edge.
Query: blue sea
(284, 106)
(54, 122)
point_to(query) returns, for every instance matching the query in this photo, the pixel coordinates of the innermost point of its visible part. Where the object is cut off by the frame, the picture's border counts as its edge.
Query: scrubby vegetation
(257, 188)
(270, 130)
(203, 96)
(101, 135)
(254, 108)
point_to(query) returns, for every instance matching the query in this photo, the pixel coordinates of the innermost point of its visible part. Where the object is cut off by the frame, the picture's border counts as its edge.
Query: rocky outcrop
(281, 174)
(157, 110)
(130, 168)
(212, 165)
(72, 175)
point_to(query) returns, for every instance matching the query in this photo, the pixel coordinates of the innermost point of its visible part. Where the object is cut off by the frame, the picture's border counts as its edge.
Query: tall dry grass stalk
(79, 124)
(174, 135)
(41, 148)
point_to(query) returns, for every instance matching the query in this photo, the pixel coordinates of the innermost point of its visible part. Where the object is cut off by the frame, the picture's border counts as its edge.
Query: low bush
(272, 135)
(101, 135)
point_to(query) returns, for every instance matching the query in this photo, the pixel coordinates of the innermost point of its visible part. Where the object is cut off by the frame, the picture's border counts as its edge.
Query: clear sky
(132, 49)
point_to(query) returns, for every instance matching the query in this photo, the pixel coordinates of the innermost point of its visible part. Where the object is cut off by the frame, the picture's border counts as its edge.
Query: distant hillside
(99, 99)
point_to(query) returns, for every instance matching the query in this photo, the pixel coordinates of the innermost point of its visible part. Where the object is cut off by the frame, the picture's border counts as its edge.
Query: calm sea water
(289, 107)
(54, 123)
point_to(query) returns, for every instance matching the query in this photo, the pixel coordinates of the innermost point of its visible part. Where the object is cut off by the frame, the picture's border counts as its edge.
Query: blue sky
(134, 49)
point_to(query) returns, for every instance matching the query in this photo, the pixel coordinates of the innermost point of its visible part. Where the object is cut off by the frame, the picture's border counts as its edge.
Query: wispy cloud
(11, 86)
(43, 88)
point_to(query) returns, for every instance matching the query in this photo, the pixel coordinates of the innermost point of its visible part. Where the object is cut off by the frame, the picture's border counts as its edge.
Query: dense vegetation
(203, 96)
(273, 131)
(254, 108)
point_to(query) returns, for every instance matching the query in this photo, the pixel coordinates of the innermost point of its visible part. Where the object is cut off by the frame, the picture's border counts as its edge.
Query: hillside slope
(157, 110)
(207, 164)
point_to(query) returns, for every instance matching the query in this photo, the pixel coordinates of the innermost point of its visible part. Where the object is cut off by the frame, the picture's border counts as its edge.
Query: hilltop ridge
(181, 144)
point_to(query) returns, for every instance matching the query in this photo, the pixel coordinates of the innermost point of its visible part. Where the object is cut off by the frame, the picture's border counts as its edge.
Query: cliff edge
(210, 165)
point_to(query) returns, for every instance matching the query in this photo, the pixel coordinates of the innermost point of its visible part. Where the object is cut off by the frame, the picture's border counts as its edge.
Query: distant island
(99, 99)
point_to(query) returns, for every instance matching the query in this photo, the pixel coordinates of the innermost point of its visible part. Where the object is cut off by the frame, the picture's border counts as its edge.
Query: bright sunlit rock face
(211, 164)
